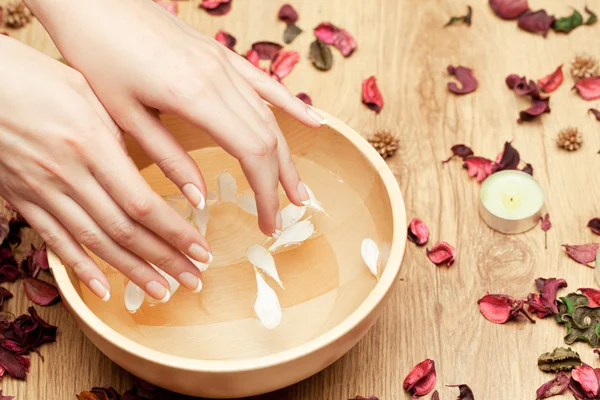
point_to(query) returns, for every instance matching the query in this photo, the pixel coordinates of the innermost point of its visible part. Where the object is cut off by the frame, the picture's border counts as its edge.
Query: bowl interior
(325, 278)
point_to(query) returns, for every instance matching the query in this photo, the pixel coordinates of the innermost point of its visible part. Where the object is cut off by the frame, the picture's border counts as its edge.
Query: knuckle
(139, 207)
(90, 238)
(171, 166)
(122, 231)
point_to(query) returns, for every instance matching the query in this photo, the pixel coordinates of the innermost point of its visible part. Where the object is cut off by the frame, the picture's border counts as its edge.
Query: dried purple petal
(421, 379)
(418, 232)
(305, 98)
(536, 22)
(509, 9)
(556, 386)
(442, 253)
(266, 50)
(287, 14)
(466, 78)
(583, 253)
(459, 150)
(465, 392)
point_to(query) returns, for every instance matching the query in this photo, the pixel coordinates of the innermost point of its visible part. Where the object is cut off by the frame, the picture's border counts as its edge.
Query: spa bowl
(211, 344)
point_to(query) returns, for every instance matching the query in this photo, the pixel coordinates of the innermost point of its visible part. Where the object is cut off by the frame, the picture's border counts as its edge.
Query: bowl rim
(375, 297)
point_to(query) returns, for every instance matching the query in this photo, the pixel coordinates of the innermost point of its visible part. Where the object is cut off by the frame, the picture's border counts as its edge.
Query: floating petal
(247, 203)
(134, 297)
(370, 254)
(263, 260)
(227, 187)
(291, 214)
(267, 306)
(296, 233)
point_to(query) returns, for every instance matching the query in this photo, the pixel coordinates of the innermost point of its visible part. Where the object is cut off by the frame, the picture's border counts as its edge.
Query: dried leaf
(466, 78)
(583, 253)
(247, 204)
(478, 167)
(546, 224)
(465, 392)
(305, 98)
(283, 63)
(418, 232)
(216, 7)
(556, 386)
(371, 96)
(226, 187)
(291, 214)
(291, 32)
(548, 289)
(592, 17)
(266, 50)
(226, 39)
(3, 227)
(40, 292)
(442, 253)
(459, 150)
(595, 112)
(559, 359)
(263, 260)
(551, 82)
(370, 255)
(312, 202)
(267, 306)
(509, 9)
(584, 382)
(538, 107)
(295, 234)
(466, 19)
(589, 88)
(320, 55)
(536, 22)
(421, 379)
(593, 296)
(134, 297)
(567, 24)
(287, 14)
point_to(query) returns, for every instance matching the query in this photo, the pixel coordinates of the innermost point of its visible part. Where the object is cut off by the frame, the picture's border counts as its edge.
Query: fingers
(275, 93)
(66, 247)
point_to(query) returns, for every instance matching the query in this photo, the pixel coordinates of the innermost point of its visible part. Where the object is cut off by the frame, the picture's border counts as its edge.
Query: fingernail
(99, 290)
(194, 195)
(199, 253)
(158, 291)
(302, 192)
(278, 222)
(190, 281)
(316, 116)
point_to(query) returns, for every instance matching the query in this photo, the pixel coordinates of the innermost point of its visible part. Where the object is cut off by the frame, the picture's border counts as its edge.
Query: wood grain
(433, 312)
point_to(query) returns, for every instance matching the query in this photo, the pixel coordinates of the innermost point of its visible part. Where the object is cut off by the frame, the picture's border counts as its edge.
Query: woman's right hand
(64, 167)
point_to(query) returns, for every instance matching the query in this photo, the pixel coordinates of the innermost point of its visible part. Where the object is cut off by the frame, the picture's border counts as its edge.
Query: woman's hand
(64, 167)
(139, 59)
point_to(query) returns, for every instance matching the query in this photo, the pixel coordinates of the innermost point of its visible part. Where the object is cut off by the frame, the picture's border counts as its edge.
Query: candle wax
(512, 195)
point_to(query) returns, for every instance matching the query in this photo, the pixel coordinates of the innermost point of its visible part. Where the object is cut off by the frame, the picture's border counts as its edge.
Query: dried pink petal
(418, 232)
(167, 5)
(538, 107)
(589, 88)
(584, 382)
(465, 392)
(594, 225)
(305, 98)
(287, 14)
(459, 150)
(284, 62)
(551, 82)
(216, 7)
(536, 306)
(371, 96)
(40, 292)
(536, 22)
(556, 386)
(266, 50)
(595, 112)
(583, 253)
(478, 167)
(326, 32)
(225, 39)
(421, 379)
(466, 78)
(548, 288)
(509, 9)
(442, 253)
(546, 224)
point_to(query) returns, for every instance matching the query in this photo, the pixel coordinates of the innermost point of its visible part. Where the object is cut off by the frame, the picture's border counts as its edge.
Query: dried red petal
(556, 386)
(594, 225)
(167, 5)
(4, 228)
(595, 112)
(589, 88)
(17, 366)
(266, 50)
(508, 159)
(226, 39)
(509, 9)
(551, 82)
(593, 296)
(40, 292)
(465, 392)
(459, 150)
(421, 379)
(2, 397)
(536, 306)
(583, 253)
(345, 42)
(536, 22)
(548, 288)
(496, 308)
(287, 14)
(253, 58)
(371, 96)
(442, 253)
(478, 167)
(466, 78)
(418, 232)
(9, 273)
(216, 7)
(284, 62)
(538, 107)
(546, 224)
(326, 32)
(305, 98)
(584, 381)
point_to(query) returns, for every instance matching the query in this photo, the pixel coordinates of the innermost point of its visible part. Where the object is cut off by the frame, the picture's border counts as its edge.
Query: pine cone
(584, 66)
(569, 139)
(384, 142)
(16, 14)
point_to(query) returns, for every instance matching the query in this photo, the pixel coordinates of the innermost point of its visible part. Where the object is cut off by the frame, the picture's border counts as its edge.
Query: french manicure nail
(278, 222)
(199, 253)
(316, 116)
(158, 291)
(194, 195)
(99, 290)
(302, 192)
(190, 281)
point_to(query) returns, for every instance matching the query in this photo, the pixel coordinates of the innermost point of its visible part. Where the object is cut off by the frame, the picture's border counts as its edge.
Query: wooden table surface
(433, 311)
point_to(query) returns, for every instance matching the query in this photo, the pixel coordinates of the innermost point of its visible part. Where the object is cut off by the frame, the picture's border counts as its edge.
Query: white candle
(511, 201)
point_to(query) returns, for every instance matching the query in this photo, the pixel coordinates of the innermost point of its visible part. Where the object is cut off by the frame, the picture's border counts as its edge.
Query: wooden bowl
(211, 344)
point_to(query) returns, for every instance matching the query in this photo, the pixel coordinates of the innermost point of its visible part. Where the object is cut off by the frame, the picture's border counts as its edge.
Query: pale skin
(64, 165)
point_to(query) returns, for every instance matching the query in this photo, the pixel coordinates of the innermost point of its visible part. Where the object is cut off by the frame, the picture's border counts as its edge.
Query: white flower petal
(296, 233)
(263, 260)
(291, 214)
(227, 187)
(267, 306)
(200, 219)
(370, 254)
(312, 201)
(212, 198)
(134, 297)
(247, 203)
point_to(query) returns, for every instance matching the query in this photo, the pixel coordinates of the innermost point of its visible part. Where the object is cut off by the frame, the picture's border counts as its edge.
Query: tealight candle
(511, 201)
